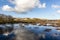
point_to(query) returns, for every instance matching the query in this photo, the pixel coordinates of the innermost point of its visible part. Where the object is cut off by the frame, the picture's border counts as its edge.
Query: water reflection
(6, 32)
(45, 32)
(42, 32)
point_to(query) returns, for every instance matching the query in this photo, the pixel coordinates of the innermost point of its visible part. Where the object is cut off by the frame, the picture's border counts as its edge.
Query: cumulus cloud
(42, 6)
(7, 8)
(55, 6)
(23, 5)
(58, 11)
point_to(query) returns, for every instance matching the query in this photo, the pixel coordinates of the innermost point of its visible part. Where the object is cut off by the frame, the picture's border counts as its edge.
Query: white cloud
(23, 5)
(55, 6)
(7, 8)
(43, 5)
(58, 11)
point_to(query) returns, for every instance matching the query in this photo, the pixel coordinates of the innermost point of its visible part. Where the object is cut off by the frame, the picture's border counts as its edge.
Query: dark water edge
(34, 32)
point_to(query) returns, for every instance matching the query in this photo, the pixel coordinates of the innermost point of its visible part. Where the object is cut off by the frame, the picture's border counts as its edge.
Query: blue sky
(47, 13)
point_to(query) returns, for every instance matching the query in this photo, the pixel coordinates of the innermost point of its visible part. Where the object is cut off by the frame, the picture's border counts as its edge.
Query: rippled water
(53, 34)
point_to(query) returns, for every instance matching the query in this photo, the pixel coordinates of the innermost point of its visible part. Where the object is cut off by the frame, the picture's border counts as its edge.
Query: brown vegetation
(10, 19)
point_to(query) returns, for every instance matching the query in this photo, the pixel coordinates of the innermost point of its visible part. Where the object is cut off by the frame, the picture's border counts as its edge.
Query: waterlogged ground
(52, 34)
(34, 32)
(23, 34)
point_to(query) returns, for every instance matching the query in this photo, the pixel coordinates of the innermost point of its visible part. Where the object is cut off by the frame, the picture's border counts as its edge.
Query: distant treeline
(5, 18)
(10, 19)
